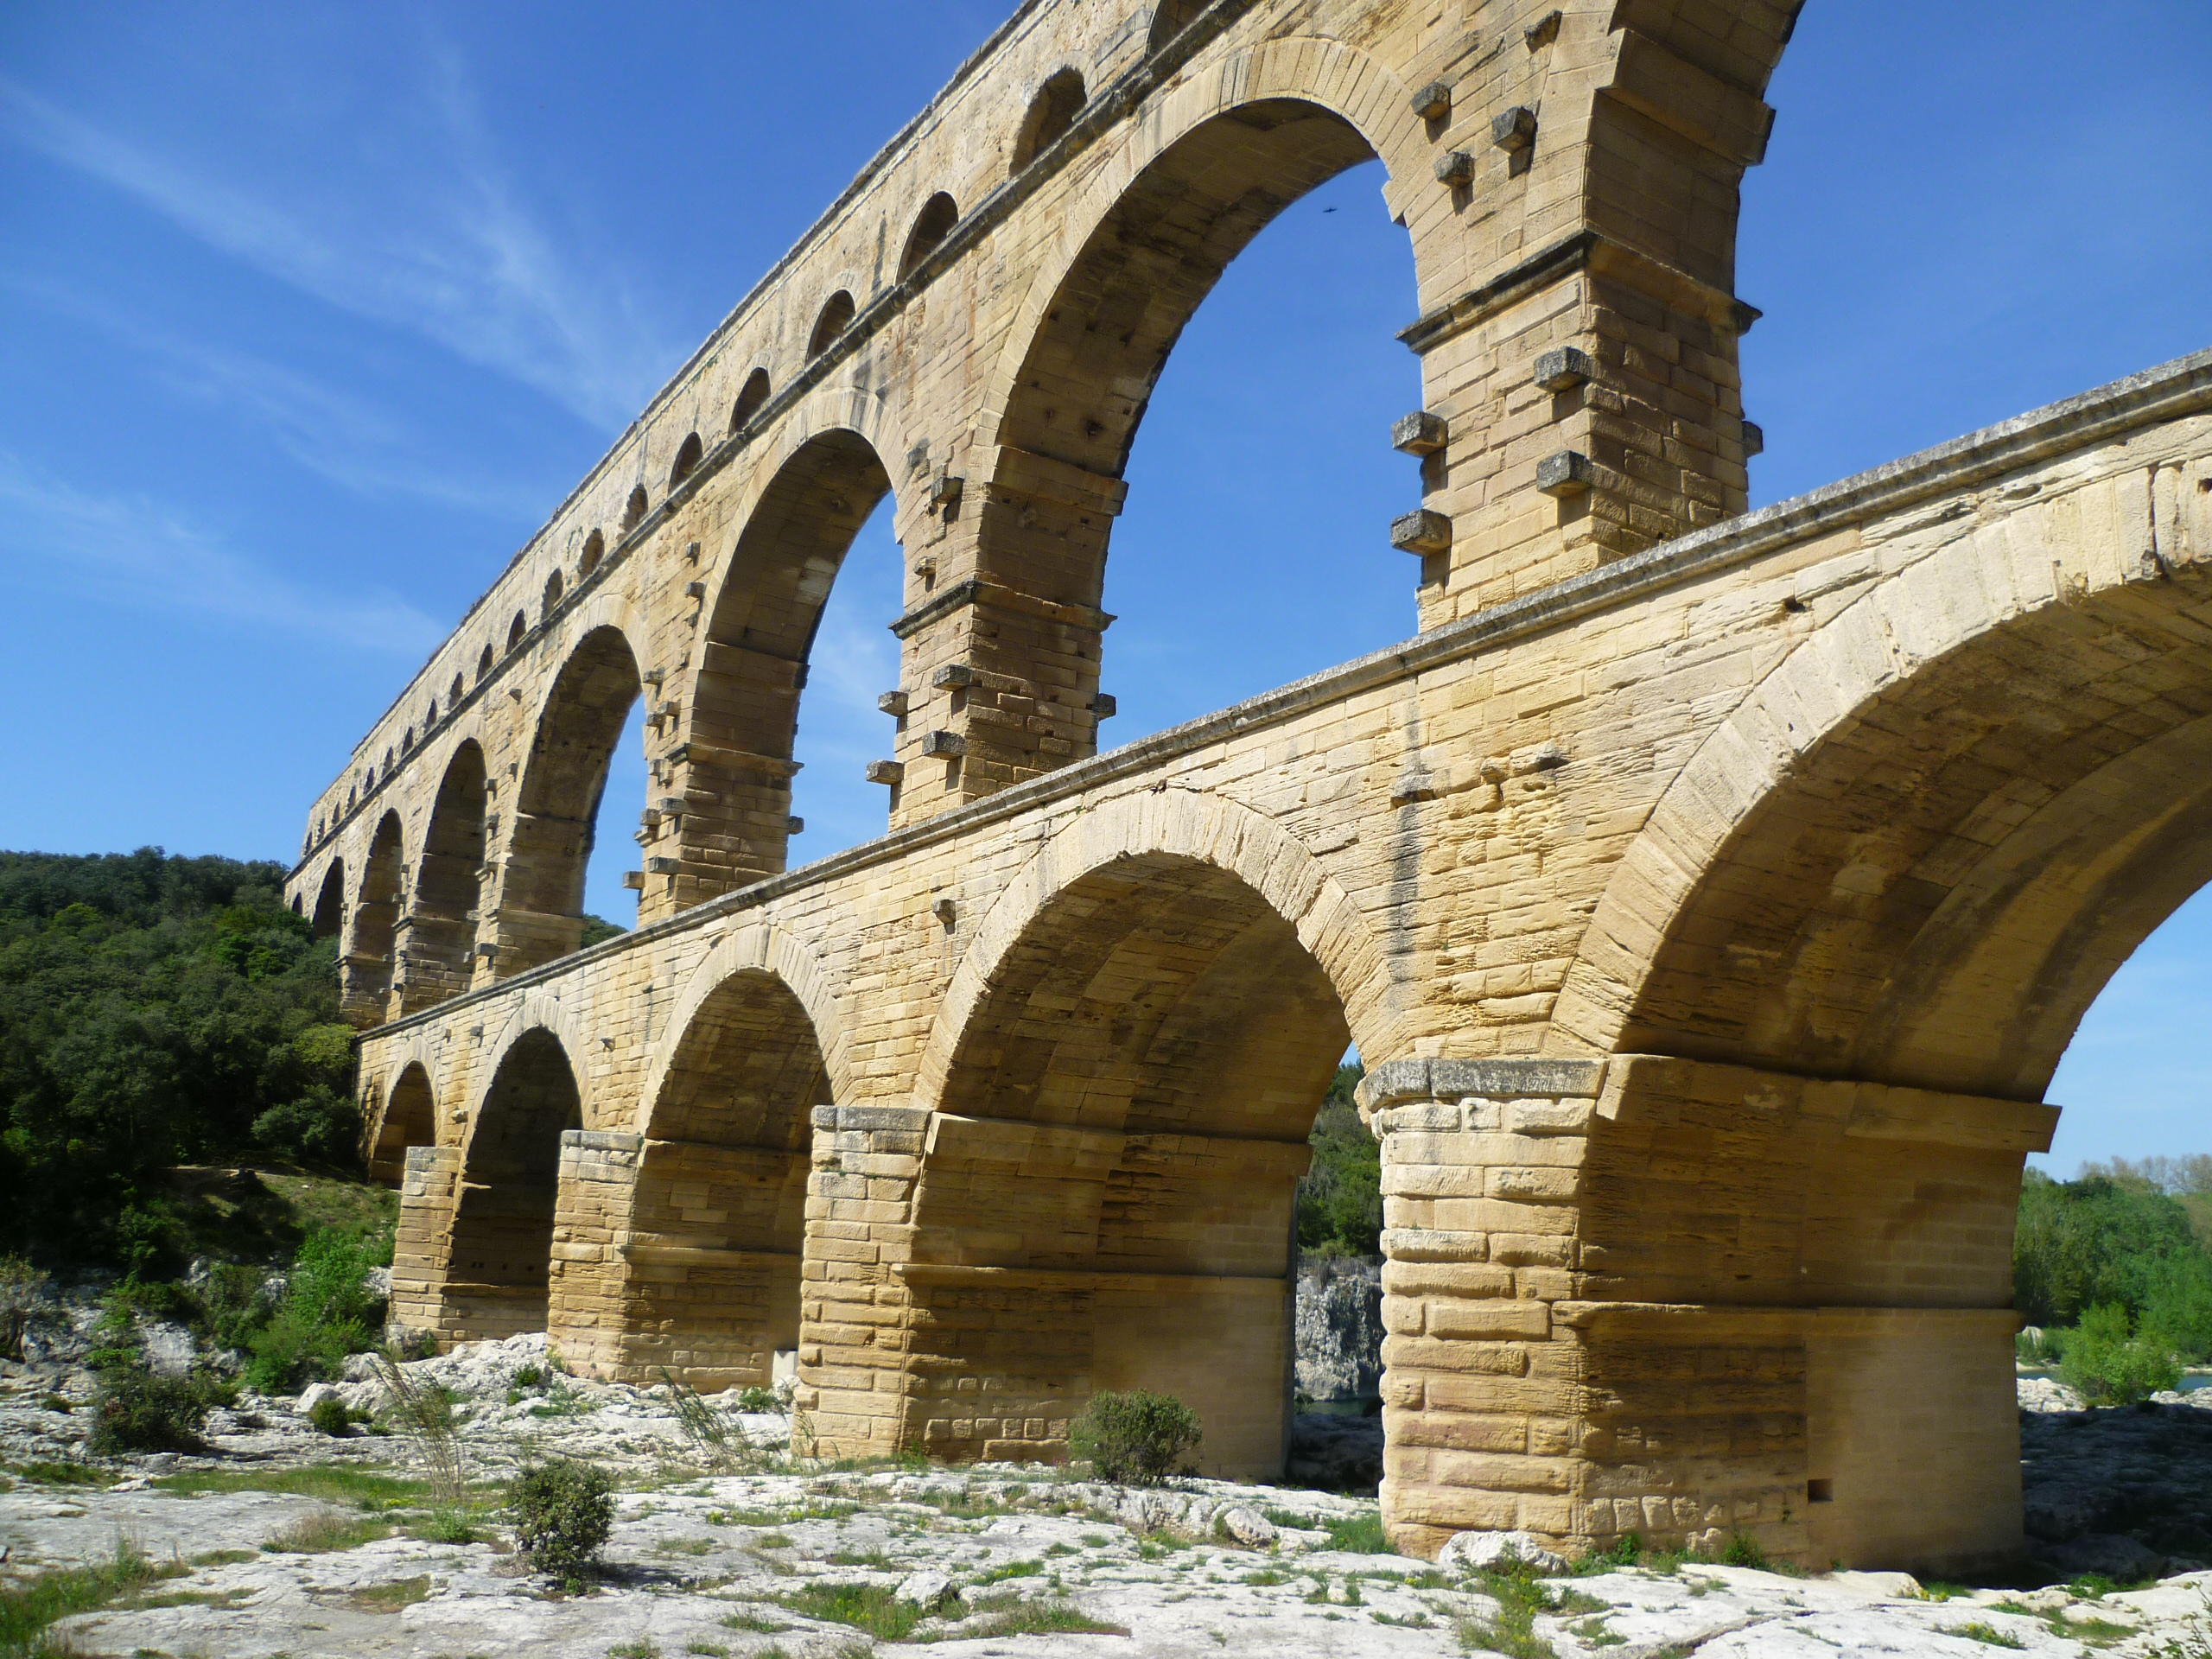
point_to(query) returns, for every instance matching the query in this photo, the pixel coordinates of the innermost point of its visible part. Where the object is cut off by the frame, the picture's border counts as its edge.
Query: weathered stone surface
(1339, 1332)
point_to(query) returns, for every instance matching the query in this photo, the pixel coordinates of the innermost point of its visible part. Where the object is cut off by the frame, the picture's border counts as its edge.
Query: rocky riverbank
(280, 1539)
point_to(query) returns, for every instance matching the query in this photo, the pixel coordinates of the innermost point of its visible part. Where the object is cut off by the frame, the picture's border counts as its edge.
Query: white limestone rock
(313, 1395)
(1247, 1526)
(1476, 1552)
(927, 1588)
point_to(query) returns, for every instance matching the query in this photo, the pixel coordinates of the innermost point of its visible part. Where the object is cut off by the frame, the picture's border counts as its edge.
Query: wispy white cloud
(465, 265)
(352, 441)
(142, 552)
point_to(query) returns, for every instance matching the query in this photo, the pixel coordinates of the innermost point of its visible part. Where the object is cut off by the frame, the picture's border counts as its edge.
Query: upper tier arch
(1006, 498)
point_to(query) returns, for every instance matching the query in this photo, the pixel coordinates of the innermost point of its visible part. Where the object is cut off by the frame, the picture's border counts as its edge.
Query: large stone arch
(1820, 997)
(1328, 75)
(1129, 1067)
(1141, 247)
(498, 1255)
(698, 1219)
(406, 1117)
(753, 947)
(548, 844)
(365, 968)
(1179, 824)
(438, 948)
(726, 816)
(1924, 840)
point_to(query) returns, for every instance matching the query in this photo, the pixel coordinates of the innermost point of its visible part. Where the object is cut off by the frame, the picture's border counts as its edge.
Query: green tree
(2117, 1242)
(1340, 1197)
(155, 1010)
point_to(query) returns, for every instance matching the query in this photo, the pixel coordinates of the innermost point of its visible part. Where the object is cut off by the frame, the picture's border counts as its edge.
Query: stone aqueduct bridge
(1712, 895)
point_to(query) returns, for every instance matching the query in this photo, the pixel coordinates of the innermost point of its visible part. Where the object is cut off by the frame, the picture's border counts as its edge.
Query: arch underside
(502, 1237)
(1940, 889)
(709, 1282)
(439, 948)
(329, 920)
(410, 1120)
(541, 908)
(736, 766)
(364, 975)
(1107, 1195)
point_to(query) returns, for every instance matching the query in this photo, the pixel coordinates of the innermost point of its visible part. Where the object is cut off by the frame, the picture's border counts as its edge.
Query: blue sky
(309, 315)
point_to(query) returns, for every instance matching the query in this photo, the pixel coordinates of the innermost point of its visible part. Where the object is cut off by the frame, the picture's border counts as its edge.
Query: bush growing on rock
(563, 1514)
(327, 1313)
(2108, 1365)
(137, 1410)
(1136, 1439)
(331, 1415)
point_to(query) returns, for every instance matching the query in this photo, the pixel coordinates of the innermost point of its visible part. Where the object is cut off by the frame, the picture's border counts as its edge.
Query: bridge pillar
(422, 1245)
(583, 1301)
(855, 1313)
(1688, 1301)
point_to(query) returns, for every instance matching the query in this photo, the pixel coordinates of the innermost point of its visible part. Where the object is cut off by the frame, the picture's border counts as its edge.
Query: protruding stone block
(892, 703)
(886, 772)
(1434, 101)
(945, 744)
(1424, 532)
(1563, 475)
(953, 674)
(1420, 433)
(1565, 369)
(1455, 168)
(1515, 129)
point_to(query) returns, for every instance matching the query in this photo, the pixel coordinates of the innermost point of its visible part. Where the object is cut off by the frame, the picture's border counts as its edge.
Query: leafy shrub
(234, 1303)
(331, 1415)
(2108, 1366)
(138, 1410)
(327, 1313)
(758, 1399)
(322, 1127)
(563, 1514)
(1137, 1437)
(1743, 1550)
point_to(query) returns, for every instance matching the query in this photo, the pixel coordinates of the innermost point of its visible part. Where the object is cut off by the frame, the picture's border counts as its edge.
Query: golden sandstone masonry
(1711, 894)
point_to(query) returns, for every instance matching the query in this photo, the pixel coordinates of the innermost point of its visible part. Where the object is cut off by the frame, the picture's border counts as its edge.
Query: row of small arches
(1051, 113)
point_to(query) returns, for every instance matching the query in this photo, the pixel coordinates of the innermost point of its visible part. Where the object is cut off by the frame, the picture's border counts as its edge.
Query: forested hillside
(154, 1011)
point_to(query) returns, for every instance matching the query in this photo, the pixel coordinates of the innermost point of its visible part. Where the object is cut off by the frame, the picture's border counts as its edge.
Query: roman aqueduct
(1710, 893)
